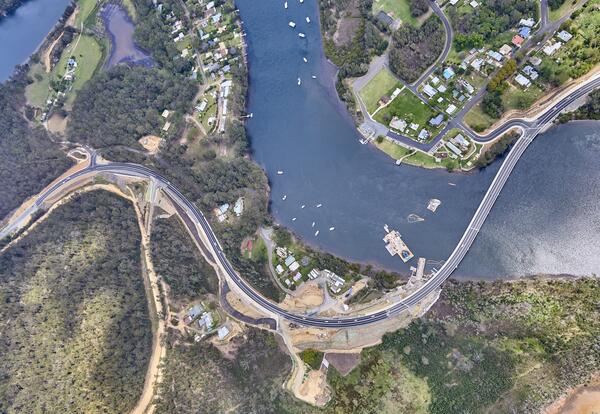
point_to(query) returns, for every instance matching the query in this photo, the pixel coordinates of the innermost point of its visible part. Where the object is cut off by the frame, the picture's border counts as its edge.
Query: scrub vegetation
(589, 110)
(415, 49)
(29, 160)
(76, 335)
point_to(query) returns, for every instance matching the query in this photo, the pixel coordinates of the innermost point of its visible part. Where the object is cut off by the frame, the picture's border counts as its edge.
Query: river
(24, 30)
(544, 220)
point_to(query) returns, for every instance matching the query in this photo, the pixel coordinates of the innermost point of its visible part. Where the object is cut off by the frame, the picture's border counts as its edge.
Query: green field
(517, 98)
(85, 8)
(37, 92)
(477, 120)
(562, 10)
(398, 9)
(88, 54)
(406, 106)
(382, 84)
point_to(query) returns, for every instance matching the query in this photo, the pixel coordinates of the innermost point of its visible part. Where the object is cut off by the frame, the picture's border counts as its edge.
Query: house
(294, 266)
(535, 61)
(564, 36)
(505, 49)
(460, 140)
(442, 88)
(297, 277)
(166, 126)
(385, 18)
(522, 80)
(468, 87)
(313, 274)
(202, 106)
(206, 320)
(424, 134)
(435, 80)
(495, 55)
(165, 114)
(476, 64)
(222, 332)
(281, 252)
(289, 260)
(279, 269)
(398, 124)
(414, 126)
(453, 148)
(436, 121)
(527, 22)
(517, 40)
(193, 313)
(474, 4)
(453, 2)
(288, 282)
(524, 32)
(451, 109)
(551, 49)
(531, 72)
(238, 208)
(448, 73)
(429, 90)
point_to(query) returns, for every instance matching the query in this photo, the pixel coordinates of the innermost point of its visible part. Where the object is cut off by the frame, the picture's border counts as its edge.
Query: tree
(418, 7)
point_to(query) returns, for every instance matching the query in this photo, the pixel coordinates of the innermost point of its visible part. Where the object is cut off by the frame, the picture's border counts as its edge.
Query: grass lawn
(477, 120)
(37, 92)
(398, 9)
(517, 98)
(562, 10)
(85, 8)
(88, 54)
(382, 84)
(406, 106)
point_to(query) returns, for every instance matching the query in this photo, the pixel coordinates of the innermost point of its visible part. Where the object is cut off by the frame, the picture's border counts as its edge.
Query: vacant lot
(382, 84)
(406, 106)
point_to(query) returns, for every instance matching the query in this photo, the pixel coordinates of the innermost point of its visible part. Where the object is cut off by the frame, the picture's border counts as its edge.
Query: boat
(301, 1)
(386, 228)
(303, 206)
(292, 24)
(305, 60)
(314, 77)
(284, 197)
(285, 4)
(452, 184)
(317, 233)
(301, 35)
(294, 219)
(279, 172)
(299, 81)
(331, 228)
(313, 225)
(319, 205)
(307, 19)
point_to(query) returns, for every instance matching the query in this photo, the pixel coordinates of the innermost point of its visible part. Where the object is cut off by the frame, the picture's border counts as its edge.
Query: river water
(545, 221)
(23, 31)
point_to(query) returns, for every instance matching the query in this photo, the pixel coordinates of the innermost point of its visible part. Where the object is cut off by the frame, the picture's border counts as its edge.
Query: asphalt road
(196, 220)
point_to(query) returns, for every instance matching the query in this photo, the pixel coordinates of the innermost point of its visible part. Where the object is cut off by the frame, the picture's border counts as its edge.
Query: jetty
(395, 245)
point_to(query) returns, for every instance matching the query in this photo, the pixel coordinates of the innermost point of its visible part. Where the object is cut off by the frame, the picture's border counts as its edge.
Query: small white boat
(452, 184)
(303, 206)
(307, 19)
(294, 219)
(299, 81)
(301, 1)
(314, 77)
(292, 24)
(285, 4)
(279, 172)
(302, 35)
(305, 60)
(284, 197)
(317, 233)
(313, 225)
(331, 228)
(319, 205)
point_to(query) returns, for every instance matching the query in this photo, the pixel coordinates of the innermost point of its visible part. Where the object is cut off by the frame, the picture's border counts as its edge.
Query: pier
(395, 245)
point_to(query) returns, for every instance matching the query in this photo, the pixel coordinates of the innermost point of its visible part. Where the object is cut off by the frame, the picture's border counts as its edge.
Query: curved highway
(529, 130)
